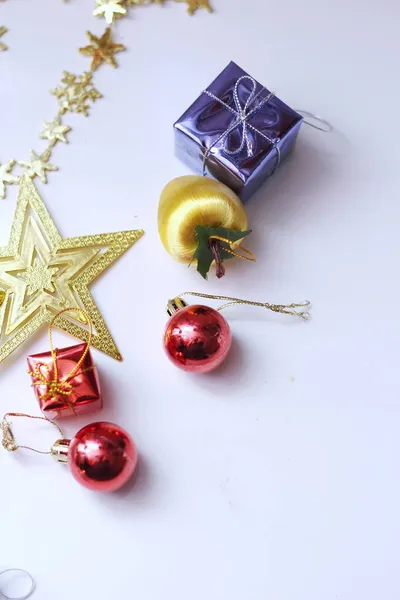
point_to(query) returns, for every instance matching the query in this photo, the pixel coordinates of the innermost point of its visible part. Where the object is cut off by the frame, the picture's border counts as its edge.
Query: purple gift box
(237, 132)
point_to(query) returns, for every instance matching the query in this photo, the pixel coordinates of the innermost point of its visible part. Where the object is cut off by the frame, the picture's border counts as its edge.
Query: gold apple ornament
(200, 221)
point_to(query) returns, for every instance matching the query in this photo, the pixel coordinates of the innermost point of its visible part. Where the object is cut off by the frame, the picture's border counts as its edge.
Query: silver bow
(242, 115)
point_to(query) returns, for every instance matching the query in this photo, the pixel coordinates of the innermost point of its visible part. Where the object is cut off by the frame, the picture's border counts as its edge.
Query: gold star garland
(40, 272)
(109, 9)
(102, 49)
(37, 165)
(194, 5)
(76, 93)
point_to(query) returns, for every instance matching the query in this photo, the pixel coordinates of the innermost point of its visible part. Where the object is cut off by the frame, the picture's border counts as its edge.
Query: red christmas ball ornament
(197, 338)
(101, 456)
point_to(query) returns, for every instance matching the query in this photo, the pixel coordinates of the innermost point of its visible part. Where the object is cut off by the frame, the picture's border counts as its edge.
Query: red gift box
(65, 390)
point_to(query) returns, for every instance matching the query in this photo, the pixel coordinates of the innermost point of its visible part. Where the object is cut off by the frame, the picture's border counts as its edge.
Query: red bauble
(102, 456)
(197, 338)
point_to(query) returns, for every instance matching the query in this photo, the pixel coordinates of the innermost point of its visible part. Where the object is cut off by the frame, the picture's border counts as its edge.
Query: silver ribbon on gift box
(242, 114)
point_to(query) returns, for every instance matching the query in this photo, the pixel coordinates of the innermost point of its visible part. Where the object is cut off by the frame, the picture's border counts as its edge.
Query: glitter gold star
(37, 165)
(55, 131)
(41, 273)
(109, 9)
(38, 275)
(6, 177)
(102, 49)
(76, 93)
(194, 5)
(3, 30)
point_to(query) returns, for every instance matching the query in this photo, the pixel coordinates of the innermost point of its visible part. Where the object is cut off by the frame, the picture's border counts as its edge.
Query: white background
(276, 477)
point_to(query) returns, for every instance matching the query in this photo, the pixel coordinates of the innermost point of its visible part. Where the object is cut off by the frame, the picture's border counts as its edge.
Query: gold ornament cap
(59, 450)
(174, 305)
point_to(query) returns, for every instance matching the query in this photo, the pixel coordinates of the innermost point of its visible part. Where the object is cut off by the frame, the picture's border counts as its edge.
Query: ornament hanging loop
(55, 386)
(8, 440)
(315, 121)
(300, 309)
(78, 365)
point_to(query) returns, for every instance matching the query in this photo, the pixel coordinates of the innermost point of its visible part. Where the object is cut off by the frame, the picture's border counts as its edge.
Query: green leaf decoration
(203, 252)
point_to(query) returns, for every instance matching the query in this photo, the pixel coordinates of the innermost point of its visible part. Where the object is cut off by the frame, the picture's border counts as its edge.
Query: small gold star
(55, 131)
(194, 5)
(37, 166)
(6, 177)
(102, 49)
(108, 9)
(39, 276)
(76, 93)
(3, 30)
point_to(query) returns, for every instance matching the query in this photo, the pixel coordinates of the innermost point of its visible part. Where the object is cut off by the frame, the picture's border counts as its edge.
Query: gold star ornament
(102, 49)
(42, 273)
(109, 9)
(75, 93)
(37, 165)
(194, 5)
(55, 131)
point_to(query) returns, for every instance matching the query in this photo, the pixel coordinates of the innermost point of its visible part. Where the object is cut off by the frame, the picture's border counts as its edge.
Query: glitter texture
(38, 165)
(76, 93)
(42, 273)
(55, 131)
(102, 49)
(109, 9)
(194, 5)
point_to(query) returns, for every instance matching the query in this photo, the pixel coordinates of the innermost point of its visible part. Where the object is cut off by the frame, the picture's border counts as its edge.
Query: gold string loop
(231, 248)
(294, 309)
(8, 440)
(60, 387)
